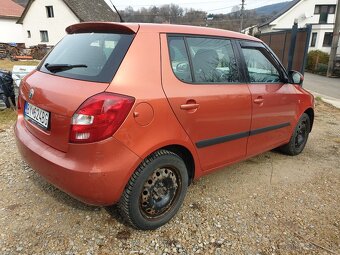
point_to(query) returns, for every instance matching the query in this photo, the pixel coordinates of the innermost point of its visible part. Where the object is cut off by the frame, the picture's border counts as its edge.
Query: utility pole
(335, 41)
(242, 12)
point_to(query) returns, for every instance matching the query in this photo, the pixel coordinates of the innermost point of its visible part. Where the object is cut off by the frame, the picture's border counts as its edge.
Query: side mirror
(296, 77)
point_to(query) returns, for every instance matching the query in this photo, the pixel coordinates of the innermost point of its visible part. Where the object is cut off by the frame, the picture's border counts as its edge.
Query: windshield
(88, 56)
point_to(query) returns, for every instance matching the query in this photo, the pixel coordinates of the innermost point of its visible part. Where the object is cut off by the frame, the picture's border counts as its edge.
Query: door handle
(258, 100)
(189, 106)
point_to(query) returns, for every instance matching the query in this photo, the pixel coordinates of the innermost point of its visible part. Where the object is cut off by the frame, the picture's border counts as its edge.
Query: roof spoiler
(88, 27)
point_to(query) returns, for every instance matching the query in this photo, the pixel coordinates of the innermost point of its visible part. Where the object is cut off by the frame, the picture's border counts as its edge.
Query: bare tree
(172, 13)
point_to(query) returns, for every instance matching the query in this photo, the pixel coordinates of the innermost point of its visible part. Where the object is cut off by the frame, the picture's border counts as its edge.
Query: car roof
(155, 28)
(194, 30)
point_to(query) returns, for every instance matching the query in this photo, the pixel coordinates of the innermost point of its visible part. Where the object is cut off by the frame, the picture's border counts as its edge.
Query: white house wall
(36, 20)
(10, 32)
(321, 30)
(304, 13)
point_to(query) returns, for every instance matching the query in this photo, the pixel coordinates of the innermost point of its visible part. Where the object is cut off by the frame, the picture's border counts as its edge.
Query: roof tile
(10, 9)
(91, 10)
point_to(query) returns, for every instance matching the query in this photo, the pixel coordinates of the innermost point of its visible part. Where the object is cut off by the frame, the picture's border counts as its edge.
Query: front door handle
(258, 100)
(192, 106)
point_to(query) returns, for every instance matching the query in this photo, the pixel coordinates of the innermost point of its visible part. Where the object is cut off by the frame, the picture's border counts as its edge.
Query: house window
(323, 14)
(49, 11)
(327, 40)
(313, 42)
(28, 34)
(323, 11)
(44, 36)
(331, 9)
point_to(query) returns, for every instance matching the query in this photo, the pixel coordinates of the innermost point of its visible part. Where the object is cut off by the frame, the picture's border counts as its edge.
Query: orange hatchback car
(133, 113)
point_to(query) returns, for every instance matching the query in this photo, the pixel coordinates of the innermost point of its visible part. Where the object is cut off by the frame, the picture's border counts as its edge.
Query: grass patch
(7, 64)
(7, 118)
(319, 99)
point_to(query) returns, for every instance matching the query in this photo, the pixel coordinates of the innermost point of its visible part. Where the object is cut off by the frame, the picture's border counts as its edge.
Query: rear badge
(31, 93)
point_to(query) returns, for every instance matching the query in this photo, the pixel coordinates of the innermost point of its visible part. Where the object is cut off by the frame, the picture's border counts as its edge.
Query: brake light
(99, 117)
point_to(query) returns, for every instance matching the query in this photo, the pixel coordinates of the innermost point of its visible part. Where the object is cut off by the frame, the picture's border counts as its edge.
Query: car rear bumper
(93, 173)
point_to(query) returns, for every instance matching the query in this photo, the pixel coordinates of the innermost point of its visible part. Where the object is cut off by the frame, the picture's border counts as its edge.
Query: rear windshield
(88, 56)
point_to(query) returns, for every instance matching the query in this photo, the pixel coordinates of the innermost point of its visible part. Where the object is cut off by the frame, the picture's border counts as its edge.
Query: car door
(201, 79)
(274, 100)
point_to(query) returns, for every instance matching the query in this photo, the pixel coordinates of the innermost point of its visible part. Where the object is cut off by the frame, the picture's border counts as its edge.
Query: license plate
(37, 115)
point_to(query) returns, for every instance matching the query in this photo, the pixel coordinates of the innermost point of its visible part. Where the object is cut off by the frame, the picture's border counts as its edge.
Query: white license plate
(38, 115)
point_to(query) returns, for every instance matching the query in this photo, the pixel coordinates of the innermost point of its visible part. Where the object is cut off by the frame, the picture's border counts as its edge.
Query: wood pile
(20, 52)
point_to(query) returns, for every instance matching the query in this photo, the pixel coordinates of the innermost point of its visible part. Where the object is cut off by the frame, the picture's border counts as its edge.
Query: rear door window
(179, 59)
(88, 56)
(202, 60)
(213, 60)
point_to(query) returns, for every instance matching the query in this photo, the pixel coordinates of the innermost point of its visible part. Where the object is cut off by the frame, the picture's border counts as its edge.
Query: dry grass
(7, 64)
(7, 118)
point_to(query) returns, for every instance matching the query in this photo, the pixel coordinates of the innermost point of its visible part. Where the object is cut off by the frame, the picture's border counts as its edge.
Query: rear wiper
(54, 68)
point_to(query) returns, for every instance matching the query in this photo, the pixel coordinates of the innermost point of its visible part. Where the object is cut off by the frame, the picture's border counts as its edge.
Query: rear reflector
(99, 117)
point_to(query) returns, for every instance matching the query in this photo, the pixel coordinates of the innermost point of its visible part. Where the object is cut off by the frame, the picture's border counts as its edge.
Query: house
(10, 31)
(44, 21)
(319, 13)
(252, 30)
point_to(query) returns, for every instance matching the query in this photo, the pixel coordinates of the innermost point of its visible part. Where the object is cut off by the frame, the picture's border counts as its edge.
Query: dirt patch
(7, 119)
(269, 204)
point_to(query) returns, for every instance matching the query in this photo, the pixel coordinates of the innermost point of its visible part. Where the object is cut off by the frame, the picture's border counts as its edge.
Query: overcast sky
(213, 6)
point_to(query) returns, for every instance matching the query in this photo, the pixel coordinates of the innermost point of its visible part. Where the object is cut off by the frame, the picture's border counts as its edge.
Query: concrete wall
(10, 31)
(36, 20)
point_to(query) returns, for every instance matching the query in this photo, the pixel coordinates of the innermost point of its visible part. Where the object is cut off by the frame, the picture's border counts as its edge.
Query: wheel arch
(310, 113)
(187, 157)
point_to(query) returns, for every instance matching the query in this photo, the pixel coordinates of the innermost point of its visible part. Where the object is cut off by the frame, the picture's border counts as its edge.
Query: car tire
(155, 191)
(299, 137)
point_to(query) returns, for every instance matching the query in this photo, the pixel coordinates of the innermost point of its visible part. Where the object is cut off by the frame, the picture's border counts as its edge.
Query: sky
(213, 6)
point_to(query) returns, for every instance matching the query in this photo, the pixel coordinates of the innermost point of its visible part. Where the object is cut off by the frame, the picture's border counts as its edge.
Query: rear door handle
(258, 100)
(189, 106)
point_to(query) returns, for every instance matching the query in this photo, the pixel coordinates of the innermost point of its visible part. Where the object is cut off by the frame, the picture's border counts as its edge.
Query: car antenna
(120, 17)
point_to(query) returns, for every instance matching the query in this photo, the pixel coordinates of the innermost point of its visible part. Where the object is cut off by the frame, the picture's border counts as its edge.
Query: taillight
(99, 117)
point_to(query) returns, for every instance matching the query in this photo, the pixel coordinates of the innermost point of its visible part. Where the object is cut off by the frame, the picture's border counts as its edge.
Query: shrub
(321, 69)
(316, 61)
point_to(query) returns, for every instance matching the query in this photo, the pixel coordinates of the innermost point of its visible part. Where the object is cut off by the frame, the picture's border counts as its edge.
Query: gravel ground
(270, 204)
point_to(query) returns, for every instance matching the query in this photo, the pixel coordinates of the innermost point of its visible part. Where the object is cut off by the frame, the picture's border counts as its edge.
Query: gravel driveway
(270, 204)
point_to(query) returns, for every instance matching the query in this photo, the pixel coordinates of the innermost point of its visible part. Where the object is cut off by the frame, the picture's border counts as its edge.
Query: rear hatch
(82, 65)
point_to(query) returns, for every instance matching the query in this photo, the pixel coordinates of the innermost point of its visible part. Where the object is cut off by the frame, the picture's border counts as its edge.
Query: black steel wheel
(159, 192)
(299, 138)
(155, 191)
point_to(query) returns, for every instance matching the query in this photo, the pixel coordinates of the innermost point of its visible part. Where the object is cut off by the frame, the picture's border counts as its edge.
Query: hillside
(271, 9)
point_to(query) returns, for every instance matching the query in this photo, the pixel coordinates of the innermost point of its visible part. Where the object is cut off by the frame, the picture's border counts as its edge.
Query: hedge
(317, 62)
